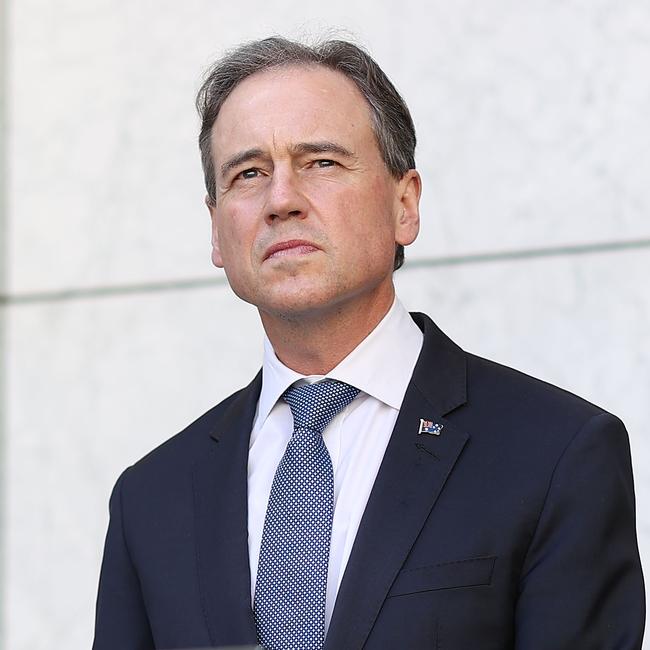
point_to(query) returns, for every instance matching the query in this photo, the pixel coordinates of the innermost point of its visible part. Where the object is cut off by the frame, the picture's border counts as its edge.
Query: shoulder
(179, 453)
(492, 384)
(514, 411)
(481, 391)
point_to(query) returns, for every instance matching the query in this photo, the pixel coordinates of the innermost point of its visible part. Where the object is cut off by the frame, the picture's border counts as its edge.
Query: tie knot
(314, 405)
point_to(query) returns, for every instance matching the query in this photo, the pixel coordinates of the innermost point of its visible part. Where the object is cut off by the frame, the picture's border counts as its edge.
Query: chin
(297, 303)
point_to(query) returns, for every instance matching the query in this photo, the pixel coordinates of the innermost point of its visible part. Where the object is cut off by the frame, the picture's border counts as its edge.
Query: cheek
(236, 233)
(368, 216)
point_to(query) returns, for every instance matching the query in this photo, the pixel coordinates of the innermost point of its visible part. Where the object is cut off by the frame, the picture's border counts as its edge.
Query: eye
(324, 163)
(249, 173)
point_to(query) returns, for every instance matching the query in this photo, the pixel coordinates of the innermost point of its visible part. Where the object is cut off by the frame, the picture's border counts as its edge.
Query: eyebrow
(324, 146)
(301, 148)
(240, 158)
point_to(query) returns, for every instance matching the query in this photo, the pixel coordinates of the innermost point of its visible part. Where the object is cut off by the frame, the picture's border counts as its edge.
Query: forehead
(286, 105)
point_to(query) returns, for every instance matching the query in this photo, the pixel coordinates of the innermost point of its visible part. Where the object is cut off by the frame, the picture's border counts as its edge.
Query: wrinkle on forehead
(274, 109)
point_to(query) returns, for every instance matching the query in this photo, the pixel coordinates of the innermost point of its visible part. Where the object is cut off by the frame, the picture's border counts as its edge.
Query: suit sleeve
(581, 586)
(121, 619)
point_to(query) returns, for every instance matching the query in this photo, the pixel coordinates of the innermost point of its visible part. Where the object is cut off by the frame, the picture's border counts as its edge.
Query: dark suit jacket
(513, 528)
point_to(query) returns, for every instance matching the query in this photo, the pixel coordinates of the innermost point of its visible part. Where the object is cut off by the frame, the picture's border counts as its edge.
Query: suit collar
(411, 477)
(440, 373)
(221, 523)
(240, 405)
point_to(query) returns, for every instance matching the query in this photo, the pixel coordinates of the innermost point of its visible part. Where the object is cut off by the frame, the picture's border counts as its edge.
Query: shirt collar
(381, 365)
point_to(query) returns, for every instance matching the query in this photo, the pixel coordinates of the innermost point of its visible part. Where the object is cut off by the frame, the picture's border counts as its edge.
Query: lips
(290, 247)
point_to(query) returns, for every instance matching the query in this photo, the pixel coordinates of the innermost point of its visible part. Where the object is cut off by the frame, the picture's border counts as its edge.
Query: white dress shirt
(380, 367)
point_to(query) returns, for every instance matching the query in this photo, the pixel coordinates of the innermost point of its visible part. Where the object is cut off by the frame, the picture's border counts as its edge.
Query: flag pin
(426, 426)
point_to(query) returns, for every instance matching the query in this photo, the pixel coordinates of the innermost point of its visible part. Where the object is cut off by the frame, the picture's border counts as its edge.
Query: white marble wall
(532, 122)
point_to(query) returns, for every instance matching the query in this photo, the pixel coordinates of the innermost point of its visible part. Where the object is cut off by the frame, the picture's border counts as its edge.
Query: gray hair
(391, 120)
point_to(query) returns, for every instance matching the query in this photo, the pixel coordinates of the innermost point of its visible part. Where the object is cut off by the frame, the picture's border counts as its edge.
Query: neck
(314, 344)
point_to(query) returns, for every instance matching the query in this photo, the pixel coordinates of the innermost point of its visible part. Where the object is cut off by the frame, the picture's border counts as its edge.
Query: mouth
(290, 247)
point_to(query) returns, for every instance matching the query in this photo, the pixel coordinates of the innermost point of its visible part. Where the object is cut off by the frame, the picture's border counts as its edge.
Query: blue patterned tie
(292, 572)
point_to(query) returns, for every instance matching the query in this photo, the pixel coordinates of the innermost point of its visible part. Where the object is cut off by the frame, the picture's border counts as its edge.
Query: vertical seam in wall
(4, 309)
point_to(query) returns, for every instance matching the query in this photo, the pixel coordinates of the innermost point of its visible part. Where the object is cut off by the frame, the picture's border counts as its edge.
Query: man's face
(307, 215)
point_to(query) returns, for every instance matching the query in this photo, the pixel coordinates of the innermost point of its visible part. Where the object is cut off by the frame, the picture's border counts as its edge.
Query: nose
(285, 198)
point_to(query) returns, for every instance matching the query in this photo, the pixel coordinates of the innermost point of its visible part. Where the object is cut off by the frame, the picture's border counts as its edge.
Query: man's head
(391, 120)
(308, 202)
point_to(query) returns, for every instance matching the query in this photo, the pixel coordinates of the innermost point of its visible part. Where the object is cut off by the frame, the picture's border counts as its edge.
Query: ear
(216, 251)
(407, 224)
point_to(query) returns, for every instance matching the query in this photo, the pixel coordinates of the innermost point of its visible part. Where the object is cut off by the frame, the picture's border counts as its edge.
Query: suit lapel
(412, 475)
(221, 520)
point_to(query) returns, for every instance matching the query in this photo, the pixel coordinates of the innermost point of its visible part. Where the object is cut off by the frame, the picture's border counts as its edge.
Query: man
(374, 486)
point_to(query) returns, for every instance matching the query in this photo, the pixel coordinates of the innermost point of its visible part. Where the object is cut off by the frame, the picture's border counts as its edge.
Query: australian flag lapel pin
(426, 426)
